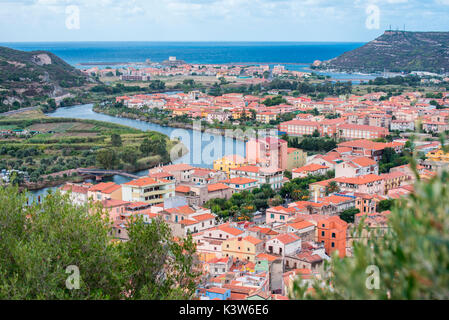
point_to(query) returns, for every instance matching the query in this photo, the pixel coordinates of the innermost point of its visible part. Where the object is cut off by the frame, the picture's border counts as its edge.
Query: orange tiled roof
(252, 240)
(364, 161)
(202, 217)
(105, 187)
(287, 238)
(266, 256)
(359, 180)
(182, 189)
(239, 180)
(146, 181)
(230, 230)
(181, 210)
(301, 225)
(247, 169)
(216, 186)
(309, 168)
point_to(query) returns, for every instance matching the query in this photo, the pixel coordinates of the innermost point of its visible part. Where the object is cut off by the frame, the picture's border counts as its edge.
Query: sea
(293, 55)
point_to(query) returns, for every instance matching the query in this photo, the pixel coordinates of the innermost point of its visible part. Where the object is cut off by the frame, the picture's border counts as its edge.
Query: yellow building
(296, 158)
(181, 111)
(266, 117)
(238, 113)
(438, 155)
(229, 162)
(242, 248)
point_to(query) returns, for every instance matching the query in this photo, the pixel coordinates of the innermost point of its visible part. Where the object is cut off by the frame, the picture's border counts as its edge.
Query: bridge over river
(100, 172)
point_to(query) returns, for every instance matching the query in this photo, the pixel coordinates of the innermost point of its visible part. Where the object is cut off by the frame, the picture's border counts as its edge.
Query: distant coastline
(291, 53)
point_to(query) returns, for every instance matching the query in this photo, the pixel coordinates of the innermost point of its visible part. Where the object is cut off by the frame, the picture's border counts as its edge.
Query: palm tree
(332, 187)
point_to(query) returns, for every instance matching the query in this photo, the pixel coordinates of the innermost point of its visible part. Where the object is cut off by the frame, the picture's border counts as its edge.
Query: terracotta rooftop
(105, 187)
(216, 186)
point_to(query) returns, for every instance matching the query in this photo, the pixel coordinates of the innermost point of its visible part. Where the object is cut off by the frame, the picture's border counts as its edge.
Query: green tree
(348, 215)
(332, 187)
(158, 267)
(116, 140)
(129, 155)
(146, 147)
(39, 241)
(107, 158)
(385, 205)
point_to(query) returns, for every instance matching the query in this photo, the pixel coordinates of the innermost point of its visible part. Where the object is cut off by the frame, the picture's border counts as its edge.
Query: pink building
(270, 151)
(279, 214)
(356, 167)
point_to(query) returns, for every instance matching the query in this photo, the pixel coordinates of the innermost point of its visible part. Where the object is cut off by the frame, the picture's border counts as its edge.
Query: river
(203, 147)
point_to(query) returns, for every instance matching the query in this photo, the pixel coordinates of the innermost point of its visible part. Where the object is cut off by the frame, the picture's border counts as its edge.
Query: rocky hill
(397, 51)
(26, 78)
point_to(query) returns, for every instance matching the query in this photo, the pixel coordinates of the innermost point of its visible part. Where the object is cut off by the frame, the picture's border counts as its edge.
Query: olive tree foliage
(40, 242)
(410, 260)
(158, 266)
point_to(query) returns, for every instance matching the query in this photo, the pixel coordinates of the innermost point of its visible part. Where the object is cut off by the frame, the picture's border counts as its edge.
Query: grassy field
(64, 144)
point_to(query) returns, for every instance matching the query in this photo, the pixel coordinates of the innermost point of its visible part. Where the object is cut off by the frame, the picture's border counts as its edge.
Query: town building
(148, 190)
(271, 176)
(269, 151)
(295, 158)
(229, 162)
(246, 248)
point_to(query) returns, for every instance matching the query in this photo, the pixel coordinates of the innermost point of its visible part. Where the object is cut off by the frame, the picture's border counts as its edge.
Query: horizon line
(184, 41)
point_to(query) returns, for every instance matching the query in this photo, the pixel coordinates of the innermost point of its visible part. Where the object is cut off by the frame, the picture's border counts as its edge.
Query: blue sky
(215, 20)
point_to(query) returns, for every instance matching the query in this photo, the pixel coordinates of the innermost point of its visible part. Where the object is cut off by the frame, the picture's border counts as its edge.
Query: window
(322, 233)
(333, 245)
(227, 246)
(333, 234)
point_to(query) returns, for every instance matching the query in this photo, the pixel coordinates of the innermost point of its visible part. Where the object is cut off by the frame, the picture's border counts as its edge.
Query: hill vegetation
(397, 51)
(29, 78)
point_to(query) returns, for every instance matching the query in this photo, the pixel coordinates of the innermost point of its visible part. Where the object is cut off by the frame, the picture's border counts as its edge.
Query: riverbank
(47, 151)
(183, 125)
